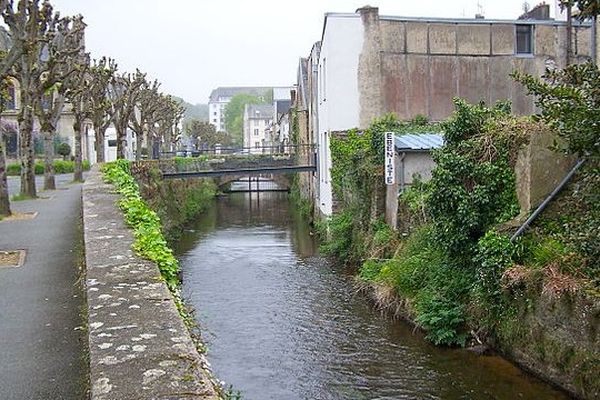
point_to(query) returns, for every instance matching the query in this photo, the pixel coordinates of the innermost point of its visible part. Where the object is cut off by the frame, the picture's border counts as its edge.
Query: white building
(341, 46)
(257, 118)
(220, 96)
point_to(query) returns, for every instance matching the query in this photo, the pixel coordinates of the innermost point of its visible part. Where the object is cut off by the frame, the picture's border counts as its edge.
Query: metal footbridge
(244, 162)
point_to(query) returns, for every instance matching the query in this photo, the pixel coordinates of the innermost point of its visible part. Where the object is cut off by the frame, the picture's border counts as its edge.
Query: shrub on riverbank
(60, 167)
(452, 266)
(472, 190)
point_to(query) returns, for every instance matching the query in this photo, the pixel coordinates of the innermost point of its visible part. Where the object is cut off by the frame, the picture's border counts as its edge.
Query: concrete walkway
(42, 346)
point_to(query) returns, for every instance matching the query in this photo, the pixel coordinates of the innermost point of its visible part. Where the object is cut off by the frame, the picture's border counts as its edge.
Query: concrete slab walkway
(42, 346)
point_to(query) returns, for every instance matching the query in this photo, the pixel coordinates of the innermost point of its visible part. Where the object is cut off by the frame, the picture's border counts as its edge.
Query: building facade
(257, 119)
(369, 65)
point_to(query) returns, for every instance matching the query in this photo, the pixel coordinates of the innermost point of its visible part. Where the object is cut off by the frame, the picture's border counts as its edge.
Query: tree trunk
(138, 145)
(99, 135)
(27, 159)
(121, 141)
(49, 181)
(4, 198)
(78, 175)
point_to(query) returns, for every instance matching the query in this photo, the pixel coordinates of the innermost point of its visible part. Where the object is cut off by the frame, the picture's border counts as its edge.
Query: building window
(11, 100)
(215, 120)
(256, 132)
(524, 34)
(215, 113)
(256, 145)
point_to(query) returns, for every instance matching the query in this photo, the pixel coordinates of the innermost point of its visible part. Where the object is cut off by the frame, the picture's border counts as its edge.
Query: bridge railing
(287, 149)
(216, 159)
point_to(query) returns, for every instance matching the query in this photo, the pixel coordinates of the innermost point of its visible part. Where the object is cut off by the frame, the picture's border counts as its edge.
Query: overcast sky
(193, 46)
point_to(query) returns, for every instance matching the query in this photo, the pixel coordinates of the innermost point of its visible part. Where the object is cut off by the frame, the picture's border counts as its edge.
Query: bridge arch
(282, 180)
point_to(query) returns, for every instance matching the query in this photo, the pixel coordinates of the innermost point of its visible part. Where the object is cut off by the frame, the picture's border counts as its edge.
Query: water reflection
(281, 323)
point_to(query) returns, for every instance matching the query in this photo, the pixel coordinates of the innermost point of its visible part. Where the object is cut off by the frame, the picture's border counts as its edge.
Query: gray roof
(419, 141)
(260, 111)
(231, 91)
(283, 106)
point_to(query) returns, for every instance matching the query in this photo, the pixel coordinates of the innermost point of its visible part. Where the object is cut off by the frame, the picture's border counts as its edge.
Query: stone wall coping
(139, 347)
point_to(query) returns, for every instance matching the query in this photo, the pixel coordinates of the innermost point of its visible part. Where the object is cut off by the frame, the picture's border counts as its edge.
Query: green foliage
(473, 185)
(451, 263)
(149, 241)
(339, 228)
(63, 149)
(60, 167)
(442, 318)
(436, 292)
(234, 114)
(205, 134)
(569, 99)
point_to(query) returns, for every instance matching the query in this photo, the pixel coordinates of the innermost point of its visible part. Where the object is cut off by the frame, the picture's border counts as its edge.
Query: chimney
(368, 14)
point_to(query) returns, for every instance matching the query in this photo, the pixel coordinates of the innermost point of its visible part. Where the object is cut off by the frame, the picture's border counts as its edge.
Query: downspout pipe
(548, 199)
(594, 40)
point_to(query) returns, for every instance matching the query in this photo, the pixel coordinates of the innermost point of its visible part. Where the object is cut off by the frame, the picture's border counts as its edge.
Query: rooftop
(419, 142)
(260, 111)
(230, 91)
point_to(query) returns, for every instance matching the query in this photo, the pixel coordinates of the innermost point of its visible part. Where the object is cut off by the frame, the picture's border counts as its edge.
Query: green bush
(63, 149)
(60, 167)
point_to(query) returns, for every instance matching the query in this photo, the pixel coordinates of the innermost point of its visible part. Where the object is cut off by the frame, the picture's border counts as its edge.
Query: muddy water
(283, 324)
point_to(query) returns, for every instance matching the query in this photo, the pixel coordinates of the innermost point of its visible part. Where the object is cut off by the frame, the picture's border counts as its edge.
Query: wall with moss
(176, 201)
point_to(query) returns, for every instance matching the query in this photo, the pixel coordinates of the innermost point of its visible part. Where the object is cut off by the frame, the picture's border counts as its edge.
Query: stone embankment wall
(139, 345)
(558, 339)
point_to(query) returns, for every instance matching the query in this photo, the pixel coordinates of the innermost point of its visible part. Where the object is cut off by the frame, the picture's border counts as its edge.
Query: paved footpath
(41, 343)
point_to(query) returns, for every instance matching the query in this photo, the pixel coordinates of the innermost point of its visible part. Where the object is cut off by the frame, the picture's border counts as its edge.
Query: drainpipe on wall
(402, 182)
(548, 199)
(594, 52)
(569, 33)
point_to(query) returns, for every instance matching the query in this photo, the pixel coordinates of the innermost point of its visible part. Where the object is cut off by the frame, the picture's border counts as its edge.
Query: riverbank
(281, 322)
(451, 268)
(139, 344)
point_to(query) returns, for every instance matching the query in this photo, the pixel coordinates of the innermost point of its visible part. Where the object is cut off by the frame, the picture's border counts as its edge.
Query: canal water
(281, 323)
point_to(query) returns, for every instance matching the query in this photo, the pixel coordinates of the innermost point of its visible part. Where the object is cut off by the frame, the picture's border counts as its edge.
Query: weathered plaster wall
(417, 163)
(539, 170)
(424, 64)
(139, 346)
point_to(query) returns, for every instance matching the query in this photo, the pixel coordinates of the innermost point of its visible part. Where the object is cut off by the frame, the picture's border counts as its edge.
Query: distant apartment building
(257, 119)
(367, 65)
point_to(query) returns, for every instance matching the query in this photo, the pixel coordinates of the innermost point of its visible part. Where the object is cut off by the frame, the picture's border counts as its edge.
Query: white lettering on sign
(390, 154)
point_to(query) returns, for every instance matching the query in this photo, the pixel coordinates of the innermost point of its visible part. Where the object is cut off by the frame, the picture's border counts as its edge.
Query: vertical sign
(390, 153)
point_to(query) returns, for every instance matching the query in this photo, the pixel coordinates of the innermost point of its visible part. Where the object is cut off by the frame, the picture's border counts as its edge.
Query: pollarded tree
(66, 43)
(101, 73)
(77, 93)
(30, 28)
(7, 61)
(168, 119)
(4, 196)
(123, 94)
(204, 134)
(149, 101)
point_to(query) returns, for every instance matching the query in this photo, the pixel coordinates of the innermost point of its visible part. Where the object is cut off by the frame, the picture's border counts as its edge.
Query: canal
(281, 323)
